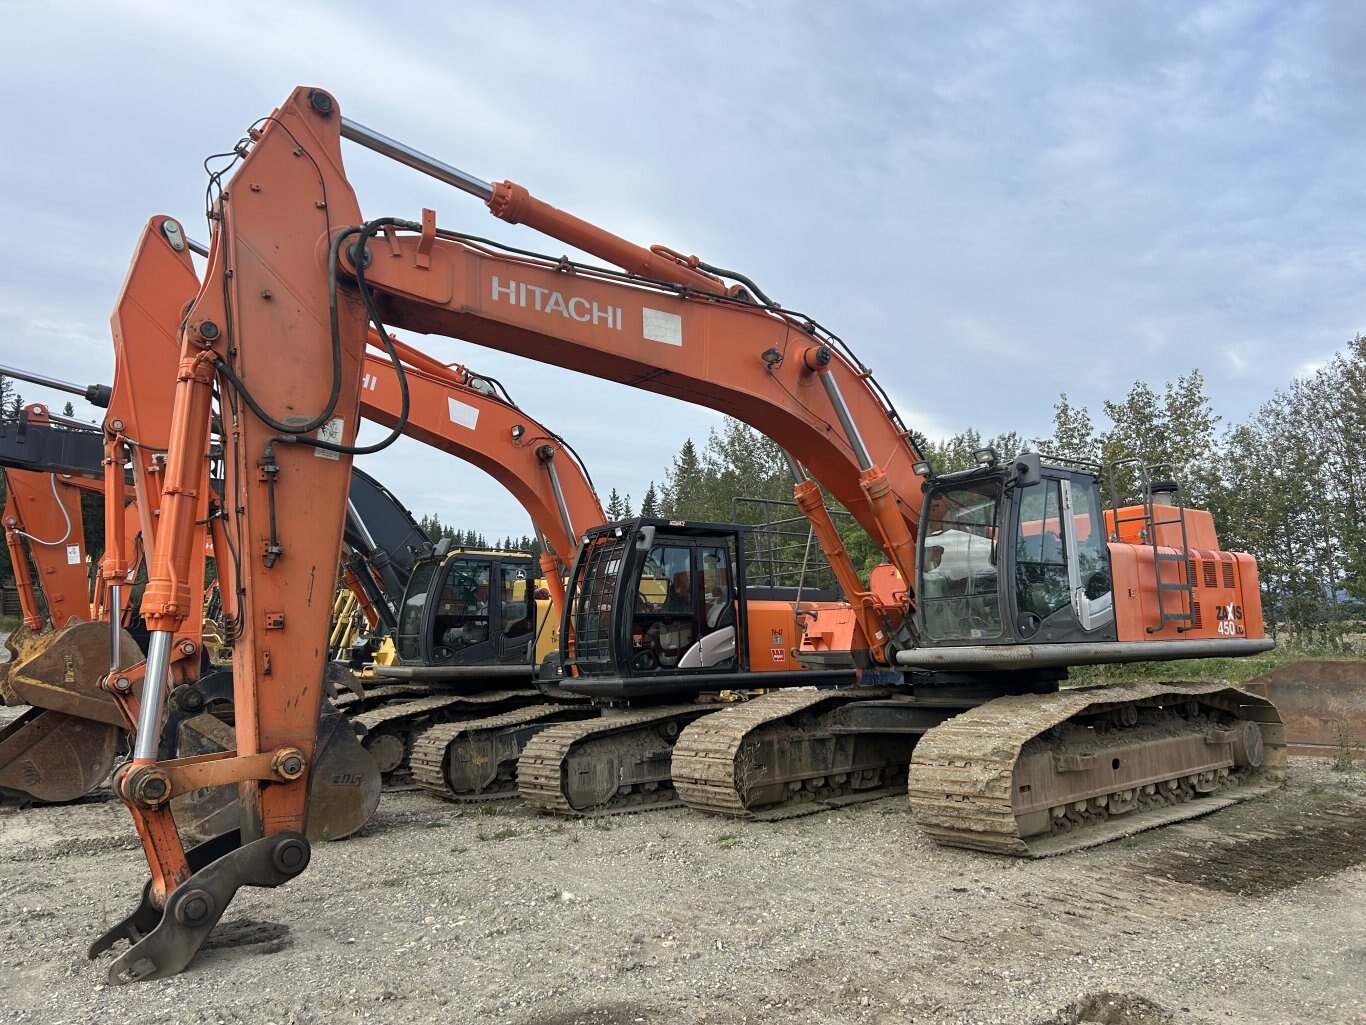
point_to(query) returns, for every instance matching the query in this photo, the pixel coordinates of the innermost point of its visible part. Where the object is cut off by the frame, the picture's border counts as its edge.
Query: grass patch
(602, 825)
(488, 811)
(1129, 841)
(8, 624)
(392, 882)
(727, 840)
(502, 834)
(1208, 670)
(435, 824)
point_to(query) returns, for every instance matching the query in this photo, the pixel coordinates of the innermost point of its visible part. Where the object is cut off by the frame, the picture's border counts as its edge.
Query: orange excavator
(43, 516)
(996, 581)
(67, 741)
(469, 629)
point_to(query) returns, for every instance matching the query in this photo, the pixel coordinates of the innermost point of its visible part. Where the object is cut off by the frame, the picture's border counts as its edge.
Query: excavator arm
(457, 412)
(66, 742)
(43, 520)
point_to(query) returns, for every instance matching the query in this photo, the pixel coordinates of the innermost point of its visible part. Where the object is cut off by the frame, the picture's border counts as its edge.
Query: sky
(992, 203)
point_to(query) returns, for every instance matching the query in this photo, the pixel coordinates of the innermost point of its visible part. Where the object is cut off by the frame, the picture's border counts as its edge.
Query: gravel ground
(494, 914)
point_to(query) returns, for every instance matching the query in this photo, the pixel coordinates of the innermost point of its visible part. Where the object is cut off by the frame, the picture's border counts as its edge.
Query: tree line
(435, 529)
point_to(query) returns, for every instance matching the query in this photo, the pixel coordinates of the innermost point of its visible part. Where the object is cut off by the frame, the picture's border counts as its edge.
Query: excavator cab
(1014, 553)
(650, 597)
(464, 607)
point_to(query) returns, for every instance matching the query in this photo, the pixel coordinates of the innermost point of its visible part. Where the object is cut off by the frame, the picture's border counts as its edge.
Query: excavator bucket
(344, 789)
(1323, 705)
(49, 757)
(22, 644)
(63, 672)
(65, 745)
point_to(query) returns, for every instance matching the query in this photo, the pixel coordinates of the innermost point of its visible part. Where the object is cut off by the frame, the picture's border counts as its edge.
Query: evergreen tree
(68, 409)
(616, 509)
(11, 402)
(649, 505)
(685, 491)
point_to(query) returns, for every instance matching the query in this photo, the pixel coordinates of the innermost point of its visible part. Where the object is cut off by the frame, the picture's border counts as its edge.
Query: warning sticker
(331, 432)
(779, 654)
(73, 554)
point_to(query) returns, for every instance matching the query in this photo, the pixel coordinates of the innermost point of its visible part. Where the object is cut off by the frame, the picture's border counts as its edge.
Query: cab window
(462, 612)
(1041, 584)
(958, 579)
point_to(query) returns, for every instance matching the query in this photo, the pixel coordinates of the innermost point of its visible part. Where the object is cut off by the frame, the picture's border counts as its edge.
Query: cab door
(1061, 562)
(514, 613)
(1088, 562)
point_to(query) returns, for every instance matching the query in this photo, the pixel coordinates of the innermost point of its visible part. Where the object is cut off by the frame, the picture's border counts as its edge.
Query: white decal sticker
(73, 554)
(330, 432)
(659, 326)
(461, 413)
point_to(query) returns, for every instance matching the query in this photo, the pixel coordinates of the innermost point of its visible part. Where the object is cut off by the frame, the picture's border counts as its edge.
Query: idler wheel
(386, 749)
(1248, 746)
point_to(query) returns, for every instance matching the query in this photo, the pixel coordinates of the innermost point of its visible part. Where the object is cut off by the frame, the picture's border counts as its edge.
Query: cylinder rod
(359, 526)
(66, 421)
(153, 696)
(419, 161)
(832, 390)
(560, 503)
(115, 625)
(42, 379)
